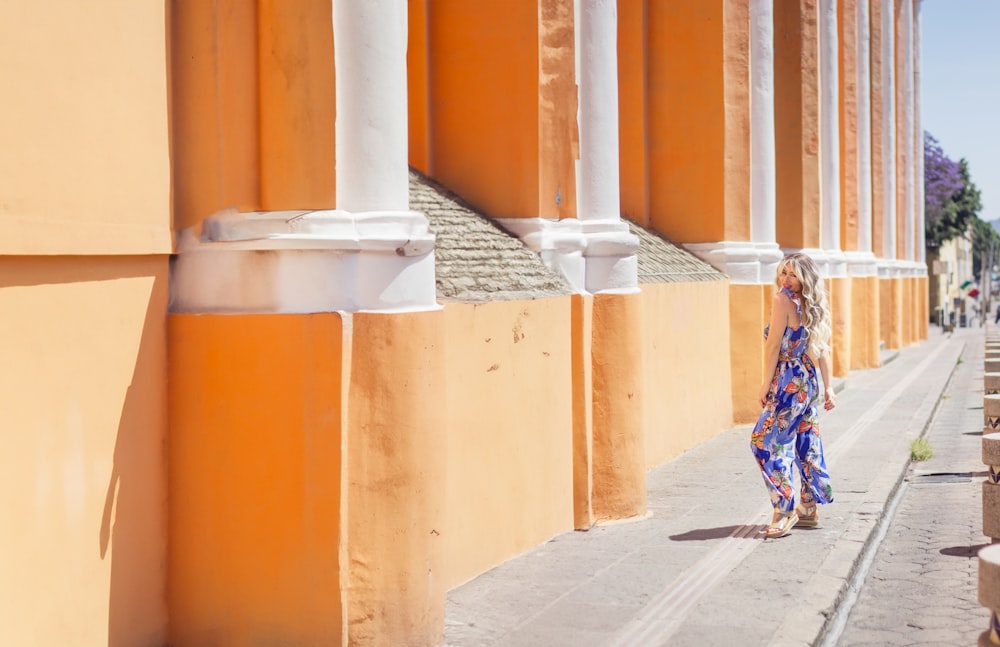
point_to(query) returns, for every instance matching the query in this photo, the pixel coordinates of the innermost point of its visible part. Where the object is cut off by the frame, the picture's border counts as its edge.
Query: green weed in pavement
(921, 449)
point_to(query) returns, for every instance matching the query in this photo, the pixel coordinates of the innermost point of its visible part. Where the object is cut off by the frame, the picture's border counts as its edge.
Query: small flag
(966, 284)
(974, 292)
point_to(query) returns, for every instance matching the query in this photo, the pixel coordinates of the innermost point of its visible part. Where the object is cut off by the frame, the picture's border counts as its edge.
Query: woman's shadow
(722, 532)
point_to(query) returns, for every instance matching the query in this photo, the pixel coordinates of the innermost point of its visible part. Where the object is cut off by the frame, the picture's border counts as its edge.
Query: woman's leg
(812, 464)
(773, 445)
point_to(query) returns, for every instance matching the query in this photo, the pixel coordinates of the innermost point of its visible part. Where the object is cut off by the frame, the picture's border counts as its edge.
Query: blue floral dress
(786, 435)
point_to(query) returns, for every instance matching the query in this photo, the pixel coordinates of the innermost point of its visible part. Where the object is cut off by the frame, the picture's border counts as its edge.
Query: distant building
(952, 278)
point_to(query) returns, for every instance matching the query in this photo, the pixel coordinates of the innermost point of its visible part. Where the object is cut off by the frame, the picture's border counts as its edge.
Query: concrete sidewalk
(696, 571)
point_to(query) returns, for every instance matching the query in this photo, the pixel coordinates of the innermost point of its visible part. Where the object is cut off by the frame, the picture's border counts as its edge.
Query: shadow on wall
(97, 355)
(134, 525)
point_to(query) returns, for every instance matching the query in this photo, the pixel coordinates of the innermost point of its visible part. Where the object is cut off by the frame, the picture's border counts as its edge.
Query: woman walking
(786, 435)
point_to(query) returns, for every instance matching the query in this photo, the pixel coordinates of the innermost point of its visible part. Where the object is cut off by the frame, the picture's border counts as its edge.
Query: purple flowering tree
(943, 182)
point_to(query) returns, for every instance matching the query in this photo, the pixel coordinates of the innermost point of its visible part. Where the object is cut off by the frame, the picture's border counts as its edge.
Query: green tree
(966, 204)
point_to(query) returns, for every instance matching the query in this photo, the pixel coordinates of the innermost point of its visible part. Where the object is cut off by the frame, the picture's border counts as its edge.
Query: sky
(960, 88)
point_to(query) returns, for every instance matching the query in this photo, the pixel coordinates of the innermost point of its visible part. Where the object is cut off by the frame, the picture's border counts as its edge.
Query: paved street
(696, 571)
(921, 586)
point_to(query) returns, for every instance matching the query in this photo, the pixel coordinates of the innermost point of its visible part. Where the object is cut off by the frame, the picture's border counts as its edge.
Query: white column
(864, 129)
(919, 134)
(610, 250)
(594, 251)
(370, 57)
(762, 169)
(598, 188)
(909, 129)
(862, 261)
(371, 253)
(829, 139)
(888, 251)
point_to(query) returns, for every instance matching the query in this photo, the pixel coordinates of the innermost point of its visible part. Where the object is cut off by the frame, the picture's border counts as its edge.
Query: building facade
(240, 404)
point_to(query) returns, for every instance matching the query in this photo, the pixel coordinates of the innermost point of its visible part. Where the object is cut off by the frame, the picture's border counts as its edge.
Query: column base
(304, 262)
(832, 263)
(595, 256)
(743, 262)
(890, 268)
(861, 264)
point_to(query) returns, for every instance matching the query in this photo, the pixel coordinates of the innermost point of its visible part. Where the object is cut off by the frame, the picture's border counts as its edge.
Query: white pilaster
(597, 42)
(370, 56)
(888, 169)
(862, 262)
(762, 147)
(919, 135)
(595, 251)
(909, 131)
(829, 139)
(864, 135)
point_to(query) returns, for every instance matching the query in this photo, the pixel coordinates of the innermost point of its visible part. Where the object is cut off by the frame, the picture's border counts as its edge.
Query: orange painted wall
(509, 475)
(736, 71)
(924, 293)
(503, 104)
(633, 114)
(619, 475)
(253, 106)
(686, 133)
(83, 414)
(841, 316)
(84, 159)
(582, 370)
(749, 310)
(418, 86)
(847, 25)
(796, 113)
(215, 116)
(685, 348)
(864, 322)
(298, 111)
(254, 478)
(558, 99)
(394, 570)
(911, 313)
(891, 305)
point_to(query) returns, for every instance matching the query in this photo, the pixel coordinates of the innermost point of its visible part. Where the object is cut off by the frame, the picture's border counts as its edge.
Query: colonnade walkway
(696, 571)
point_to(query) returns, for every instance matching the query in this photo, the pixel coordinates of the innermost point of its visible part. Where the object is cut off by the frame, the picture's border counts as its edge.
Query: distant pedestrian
(787, 432)
(997, 319)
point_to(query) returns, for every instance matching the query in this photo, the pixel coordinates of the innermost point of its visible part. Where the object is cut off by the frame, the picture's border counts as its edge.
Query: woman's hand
(765, 388)
(829, 399)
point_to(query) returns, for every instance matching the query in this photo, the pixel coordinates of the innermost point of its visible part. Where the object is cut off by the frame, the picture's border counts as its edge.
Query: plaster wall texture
(85, 161)
(83, 478)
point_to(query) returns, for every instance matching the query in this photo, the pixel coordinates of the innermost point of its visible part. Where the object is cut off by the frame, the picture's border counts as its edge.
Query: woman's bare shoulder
(782, 300)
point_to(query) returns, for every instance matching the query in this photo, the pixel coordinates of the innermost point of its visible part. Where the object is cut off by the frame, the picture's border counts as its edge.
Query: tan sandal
(781, 526)
(808, 516)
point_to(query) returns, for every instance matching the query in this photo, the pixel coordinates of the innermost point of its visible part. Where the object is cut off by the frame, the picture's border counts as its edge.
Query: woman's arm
(824, 371)
(780, 308)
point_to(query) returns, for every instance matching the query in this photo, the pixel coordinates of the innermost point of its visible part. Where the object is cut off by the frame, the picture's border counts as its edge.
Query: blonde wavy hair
(815, 307)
